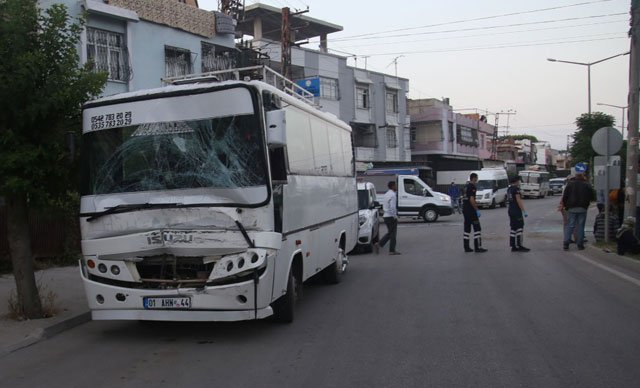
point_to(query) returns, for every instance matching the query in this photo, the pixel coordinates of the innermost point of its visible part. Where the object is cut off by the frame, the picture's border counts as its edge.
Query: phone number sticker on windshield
(111, 120)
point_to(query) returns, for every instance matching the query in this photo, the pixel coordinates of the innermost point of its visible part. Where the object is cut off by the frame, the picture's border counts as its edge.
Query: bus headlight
(239, 265)
(362, 219)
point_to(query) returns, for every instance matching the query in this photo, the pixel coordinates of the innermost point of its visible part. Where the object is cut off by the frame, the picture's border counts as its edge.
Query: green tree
(581, 150)
(42, 87)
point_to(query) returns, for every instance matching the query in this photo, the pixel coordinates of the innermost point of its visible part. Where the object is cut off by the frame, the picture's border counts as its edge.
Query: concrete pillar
(323, 43)
(257, 28)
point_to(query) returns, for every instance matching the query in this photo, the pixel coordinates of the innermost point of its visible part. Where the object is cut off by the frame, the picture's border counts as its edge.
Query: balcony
(427, 146)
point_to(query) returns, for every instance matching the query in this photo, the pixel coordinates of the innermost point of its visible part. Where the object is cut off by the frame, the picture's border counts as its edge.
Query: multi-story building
(373, 103)
(140, 42)
(442, 140)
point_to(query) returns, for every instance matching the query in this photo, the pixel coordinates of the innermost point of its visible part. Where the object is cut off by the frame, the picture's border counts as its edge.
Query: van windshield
(485, 185)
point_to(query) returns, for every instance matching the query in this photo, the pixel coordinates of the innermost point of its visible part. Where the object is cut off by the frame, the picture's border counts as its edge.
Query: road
(432, 317)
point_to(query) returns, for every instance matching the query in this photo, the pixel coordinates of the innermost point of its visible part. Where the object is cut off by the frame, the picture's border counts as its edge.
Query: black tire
(283, 307)
(333, 273)
(493, 204)
(504, 203)
(429, 214)
(369, 247)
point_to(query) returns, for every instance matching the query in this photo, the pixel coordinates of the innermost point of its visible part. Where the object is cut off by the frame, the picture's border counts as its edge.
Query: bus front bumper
(232, 302)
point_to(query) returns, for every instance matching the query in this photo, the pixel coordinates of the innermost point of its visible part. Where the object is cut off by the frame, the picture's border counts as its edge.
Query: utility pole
(508, 113)
(632, 135)
(285, 42)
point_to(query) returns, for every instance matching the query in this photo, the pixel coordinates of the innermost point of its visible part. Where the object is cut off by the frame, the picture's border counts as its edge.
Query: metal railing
(261, 72)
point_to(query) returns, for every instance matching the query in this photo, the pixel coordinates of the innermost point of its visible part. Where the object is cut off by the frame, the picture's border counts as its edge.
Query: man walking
(517, 214)
(390, 206)
(576, 198)
(454, 193)
(471, 216)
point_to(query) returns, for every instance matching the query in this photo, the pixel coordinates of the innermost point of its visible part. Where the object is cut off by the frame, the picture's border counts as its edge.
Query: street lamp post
(588, 65)
(623, 115)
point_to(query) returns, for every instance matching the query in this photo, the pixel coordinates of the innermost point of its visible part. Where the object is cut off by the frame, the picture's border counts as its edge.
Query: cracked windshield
(221, 153)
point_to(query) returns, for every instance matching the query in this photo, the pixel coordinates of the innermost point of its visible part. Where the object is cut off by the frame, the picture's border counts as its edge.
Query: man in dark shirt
(576, 198)
(471, 216)
(517, 214)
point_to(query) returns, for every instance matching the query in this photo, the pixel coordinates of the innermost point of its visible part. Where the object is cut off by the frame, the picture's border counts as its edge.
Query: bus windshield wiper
(126, 207)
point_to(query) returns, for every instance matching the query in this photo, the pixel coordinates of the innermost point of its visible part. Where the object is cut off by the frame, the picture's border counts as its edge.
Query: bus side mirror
(276, 128)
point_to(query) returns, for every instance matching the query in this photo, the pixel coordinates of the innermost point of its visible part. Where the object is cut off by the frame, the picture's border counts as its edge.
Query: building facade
(373, 103)
(140, 42)
(442, 140)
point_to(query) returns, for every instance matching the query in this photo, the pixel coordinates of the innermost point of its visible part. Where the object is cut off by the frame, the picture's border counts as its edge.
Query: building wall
(146, 40)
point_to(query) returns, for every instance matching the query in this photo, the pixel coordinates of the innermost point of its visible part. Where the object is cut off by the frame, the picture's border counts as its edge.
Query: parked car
(556, 185)
(369, 229)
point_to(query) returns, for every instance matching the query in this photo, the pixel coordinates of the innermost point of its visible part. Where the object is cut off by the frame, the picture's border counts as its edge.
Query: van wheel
(493, 204)
(333, 273)
(430, 215)
(504, 203)
(283, 308)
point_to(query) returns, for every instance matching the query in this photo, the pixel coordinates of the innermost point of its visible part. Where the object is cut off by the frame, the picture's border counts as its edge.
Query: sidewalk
(70, 303)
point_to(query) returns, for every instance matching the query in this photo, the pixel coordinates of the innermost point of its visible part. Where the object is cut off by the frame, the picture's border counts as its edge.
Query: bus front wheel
(283, 308)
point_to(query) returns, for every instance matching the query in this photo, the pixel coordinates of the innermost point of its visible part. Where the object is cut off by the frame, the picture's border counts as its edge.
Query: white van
(492, 187)
(415, 198)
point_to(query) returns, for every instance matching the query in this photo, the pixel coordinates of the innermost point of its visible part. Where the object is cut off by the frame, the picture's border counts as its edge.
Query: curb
(42, 334)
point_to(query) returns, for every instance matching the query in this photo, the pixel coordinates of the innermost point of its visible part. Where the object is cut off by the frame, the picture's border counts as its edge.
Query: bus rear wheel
(333, 273)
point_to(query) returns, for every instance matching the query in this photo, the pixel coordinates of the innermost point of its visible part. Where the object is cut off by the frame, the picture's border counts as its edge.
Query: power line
(482, 35)
(481, 18)
(494, 47)
(484, 27)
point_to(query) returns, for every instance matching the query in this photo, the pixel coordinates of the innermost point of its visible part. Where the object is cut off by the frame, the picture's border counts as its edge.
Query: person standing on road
(471, 216)
(390, 216)
(454, 193)
(576, 199)
(517, 214)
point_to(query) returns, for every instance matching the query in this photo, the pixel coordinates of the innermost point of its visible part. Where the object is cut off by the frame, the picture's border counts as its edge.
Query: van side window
(413, 187)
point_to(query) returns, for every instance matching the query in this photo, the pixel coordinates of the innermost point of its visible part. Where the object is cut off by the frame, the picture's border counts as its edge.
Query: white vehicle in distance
(556, 185)
(491, 189)
(534, 183)
(415, 198)
(368, 220)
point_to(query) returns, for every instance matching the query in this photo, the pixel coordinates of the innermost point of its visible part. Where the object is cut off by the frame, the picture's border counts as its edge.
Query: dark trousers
(471, 218)
(516, 222)
(392, 231)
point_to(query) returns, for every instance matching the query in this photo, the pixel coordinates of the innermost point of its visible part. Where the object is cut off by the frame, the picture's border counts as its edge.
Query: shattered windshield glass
(222, 152)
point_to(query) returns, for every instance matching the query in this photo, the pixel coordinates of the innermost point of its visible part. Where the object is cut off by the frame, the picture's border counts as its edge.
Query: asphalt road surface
(432, 317)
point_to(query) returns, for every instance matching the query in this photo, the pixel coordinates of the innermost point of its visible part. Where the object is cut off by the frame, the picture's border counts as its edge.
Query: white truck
(212, 202)
(415, 198)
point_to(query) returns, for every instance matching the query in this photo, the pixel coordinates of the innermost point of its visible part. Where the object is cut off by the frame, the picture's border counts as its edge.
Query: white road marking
(609, 269)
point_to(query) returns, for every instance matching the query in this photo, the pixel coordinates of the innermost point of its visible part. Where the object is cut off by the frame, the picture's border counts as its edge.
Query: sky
(490, 55)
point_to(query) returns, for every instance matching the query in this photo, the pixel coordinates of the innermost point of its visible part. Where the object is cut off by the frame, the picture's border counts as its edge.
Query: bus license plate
(167, 303)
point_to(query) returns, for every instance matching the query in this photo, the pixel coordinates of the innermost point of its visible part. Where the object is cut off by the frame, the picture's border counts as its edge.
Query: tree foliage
(42, 87)
(581, 149)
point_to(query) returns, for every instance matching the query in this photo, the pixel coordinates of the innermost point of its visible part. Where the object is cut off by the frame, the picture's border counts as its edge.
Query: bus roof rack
(261, 72)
